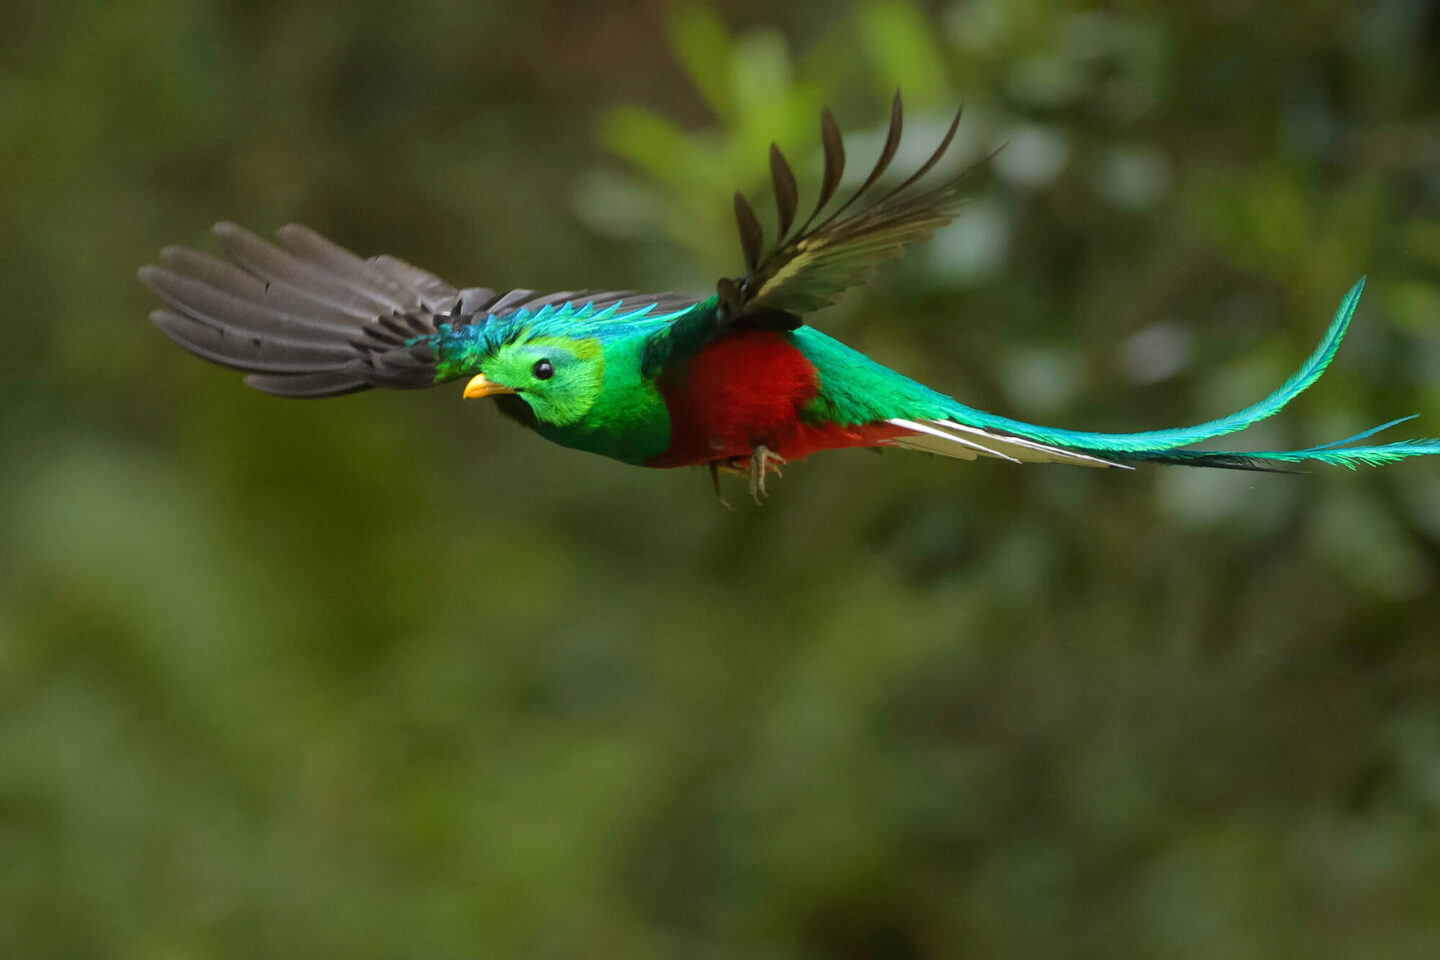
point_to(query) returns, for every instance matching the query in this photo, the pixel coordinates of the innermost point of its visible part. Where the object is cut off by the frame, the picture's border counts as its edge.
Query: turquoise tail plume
(1164, 446)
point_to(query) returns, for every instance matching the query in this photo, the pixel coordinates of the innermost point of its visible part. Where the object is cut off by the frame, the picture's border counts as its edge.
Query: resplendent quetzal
(737, 381)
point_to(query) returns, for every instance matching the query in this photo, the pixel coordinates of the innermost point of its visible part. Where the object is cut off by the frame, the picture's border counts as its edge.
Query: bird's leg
(762, 461)
(715, 467)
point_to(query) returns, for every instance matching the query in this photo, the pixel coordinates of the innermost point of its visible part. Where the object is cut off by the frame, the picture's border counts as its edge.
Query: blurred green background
(387, 677)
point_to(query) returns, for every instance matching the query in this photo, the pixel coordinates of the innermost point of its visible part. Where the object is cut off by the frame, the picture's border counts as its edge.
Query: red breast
(745, 390)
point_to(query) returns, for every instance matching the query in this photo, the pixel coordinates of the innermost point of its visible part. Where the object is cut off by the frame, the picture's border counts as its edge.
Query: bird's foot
(754, 468)
(716, 467)
(762, 461)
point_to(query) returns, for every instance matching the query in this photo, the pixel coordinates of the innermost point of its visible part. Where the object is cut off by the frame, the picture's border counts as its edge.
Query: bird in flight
(738, 381)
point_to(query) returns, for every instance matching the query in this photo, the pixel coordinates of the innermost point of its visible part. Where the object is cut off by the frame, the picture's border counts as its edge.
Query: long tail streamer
(1163, 446)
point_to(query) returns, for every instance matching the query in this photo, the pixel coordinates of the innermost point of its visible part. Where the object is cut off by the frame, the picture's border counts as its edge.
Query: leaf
(703, 47)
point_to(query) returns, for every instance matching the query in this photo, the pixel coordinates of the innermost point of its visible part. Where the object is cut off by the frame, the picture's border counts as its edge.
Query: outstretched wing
(802, 273)
(809, 269)
(311, 319)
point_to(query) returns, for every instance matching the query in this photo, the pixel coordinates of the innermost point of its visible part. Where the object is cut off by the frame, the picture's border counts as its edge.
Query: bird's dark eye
(542, 370)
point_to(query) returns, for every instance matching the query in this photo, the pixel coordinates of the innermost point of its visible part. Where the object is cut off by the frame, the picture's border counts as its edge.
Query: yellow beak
(480, 387)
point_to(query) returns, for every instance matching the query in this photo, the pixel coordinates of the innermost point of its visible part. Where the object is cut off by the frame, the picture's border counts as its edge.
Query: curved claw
(715, 467)
(762, 461)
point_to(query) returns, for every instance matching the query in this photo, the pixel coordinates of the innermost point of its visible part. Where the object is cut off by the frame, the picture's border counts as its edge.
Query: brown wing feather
(311, 319)
(810, 270)
(787, 197)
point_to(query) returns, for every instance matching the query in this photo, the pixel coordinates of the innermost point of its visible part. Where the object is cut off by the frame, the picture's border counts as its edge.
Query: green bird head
(558, 377)
(571, 371)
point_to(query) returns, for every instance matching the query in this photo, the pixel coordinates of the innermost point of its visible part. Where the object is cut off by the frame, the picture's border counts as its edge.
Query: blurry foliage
(386, 677)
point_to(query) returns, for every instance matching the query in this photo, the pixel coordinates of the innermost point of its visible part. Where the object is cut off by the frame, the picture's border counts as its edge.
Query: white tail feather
(952, 439)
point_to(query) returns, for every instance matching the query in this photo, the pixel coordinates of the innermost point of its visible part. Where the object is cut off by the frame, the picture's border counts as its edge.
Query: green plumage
(735, 379)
